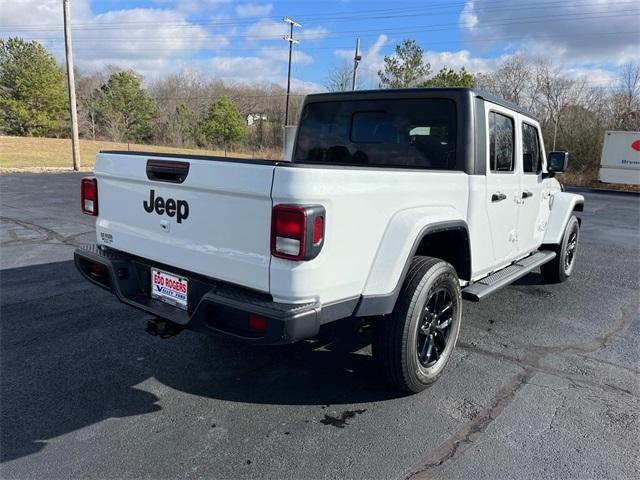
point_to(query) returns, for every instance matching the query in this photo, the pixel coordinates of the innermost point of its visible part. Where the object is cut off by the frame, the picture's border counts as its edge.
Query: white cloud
(467, 18)
(267, 29)
(281, 54)
(250, 69)
(145, 40)
(235, 69)
(315, 33)
(459, 59)
(254, 10)
(127, 38)
(21, 14)
(192, 6)
(300, 86)
(596, 77)
(597, 32)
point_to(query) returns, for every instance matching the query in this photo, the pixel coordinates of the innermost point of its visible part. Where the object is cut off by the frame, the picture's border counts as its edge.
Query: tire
(412, 345)
(560, 268)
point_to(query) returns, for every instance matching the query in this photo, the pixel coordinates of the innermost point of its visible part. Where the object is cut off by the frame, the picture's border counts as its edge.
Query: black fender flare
(373, 305)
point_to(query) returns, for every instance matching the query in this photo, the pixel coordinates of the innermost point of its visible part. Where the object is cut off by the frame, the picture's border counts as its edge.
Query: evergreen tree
(223, 123)
(126, 110)
(406, 68)
(447, 77)
(33, 96)
(188, 125)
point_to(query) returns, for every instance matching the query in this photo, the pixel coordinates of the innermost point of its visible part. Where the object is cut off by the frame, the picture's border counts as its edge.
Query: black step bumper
(214, 306)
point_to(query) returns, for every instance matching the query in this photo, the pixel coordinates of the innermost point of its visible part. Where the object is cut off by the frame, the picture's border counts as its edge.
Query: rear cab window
(397, 133)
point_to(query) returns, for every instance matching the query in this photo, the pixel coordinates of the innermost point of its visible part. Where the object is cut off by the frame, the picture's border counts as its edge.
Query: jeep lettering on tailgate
(177, 208)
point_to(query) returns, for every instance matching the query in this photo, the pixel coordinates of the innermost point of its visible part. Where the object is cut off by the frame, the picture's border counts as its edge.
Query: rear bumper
(214, 306)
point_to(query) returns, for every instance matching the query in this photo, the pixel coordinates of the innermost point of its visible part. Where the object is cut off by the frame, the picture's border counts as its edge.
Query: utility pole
(291, 41)
(71, 85)
(555, 131)
(356, 61)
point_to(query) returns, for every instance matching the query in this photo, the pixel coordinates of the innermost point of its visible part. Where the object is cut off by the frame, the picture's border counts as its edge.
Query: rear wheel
(561, 267)
(414, 343)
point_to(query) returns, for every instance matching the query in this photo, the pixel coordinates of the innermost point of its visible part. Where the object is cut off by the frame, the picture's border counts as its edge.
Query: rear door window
(401, 133)
(531, 151)
(501, 141)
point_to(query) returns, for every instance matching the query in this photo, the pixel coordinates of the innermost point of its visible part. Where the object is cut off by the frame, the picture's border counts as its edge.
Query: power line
(360, 16)
(57, 43)
(405, 30)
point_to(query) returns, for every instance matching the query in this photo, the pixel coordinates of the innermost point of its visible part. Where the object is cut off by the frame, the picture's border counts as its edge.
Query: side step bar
(486, 286)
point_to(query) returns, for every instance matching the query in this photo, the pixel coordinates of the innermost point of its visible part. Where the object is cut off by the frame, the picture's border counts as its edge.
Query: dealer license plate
(169, 288)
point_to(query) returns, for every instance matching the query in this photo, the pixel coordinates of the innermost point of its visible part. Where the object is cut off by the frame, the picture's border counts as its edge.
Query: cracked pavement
(544, 382)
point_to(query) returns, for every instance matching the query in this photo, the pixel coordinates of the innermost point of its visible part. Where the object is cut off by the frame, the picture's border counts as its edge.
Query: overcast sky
(242, 41)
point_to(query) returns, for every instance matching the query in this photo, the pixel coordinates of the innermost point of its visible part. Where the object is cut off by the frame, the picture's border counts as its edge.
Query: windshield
(406, 133)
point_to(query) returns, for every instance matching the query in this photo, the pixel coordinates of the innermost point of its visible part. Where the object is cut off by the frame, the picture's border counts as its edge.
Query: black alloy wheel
(434, 328)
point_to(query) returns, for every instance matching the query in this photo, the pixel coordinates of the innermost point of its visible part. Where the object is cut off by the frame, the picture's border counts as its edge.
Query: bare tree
(339, 78)
(173, 94)
(510, 80)
(88, 88)
(625, 101)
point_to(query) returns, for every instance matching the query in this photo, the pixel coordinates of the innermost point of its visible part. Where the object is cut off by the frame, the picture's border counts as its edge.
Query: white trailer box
(620, 162)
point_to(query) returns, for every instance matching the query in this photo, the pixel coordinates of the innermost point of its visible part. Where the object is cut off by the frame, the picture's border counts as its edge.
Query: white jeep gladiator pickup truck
(396, 205)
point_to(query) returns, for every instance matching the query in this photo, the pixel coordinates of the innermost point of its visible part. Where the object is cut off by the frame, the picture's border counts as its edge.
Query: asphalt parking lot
(544, 383)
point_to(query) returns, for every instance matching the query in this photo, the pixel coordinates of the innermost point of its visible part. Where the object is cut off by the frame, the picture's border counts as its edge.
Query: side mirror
(557, 162)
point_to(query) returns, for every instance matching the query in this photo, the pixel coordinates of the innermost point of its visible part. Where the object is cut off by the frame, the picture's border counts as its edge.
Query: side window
(531, 151)
(501, 142)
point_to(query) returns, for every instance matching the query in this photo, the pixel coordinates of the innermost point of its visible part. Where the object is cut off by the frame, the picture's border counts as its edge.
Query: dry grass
(54, 154)
(590, 179)
(30, 154)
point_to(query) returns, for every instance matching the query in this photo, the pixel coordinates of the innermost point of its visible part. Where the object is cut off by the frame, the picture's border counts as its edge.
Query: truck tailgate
(215, 223)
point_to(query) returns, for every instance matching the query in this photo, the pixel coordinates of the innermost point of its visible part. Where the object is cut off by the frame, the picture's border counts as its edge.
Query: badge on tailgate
(169, 288)
(170, 206)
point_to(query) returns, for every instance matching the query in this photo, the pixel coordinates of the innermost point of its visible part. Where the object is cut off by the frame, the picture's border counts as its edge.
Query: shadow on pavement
(73, 356)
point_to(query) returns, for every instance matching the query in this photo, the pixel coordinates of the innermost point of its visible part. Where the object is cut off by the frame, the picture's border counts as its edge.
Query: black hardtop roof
(416, 92)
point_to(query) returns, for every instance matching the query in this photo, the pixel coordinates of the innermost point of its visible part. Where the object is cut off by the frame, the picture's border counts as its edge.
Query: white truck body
(375, 218)
(620, 162)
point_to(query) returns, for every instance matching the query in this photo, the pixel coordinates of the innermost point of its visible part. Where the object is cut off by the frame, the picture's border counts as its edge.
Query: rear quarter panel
(372, 219)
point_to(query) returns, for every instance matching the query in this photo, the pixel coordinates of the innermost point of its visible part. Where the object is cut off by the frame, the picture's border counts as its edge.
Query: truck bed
(190, 156)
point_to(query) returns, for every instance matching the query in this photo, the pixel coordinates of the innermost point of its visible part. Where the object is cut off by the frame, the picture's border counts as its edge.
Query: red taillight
(297, 232)
(288, 236)
(89, 196)
(318, 230)
(97, 268)
(257, 323)
(290, 223)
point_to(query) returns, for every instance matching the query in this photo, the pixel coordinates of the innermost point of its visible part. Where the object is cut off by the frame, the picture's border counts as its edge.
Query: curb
(569, 188)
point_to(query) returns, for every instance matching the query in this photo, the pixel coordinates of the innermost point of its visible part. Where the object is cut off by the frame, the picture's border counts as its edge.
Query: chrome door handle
(498, 197)
(526, 195)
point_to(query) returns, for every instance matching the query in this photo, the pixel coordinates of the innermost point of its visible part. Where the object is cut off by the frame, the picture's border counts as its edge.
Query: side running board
(486, 286)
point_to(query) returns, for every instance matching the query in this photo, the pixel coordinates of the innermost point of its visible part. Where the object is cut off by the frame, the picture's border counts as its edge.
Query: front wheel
(560, 268)
(414, 343)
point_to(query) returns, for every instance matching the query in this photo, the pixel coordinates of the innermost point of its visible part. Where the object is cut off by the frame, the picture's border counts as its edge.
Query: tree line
(573, 112)
(183, 109)
(187, 109)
